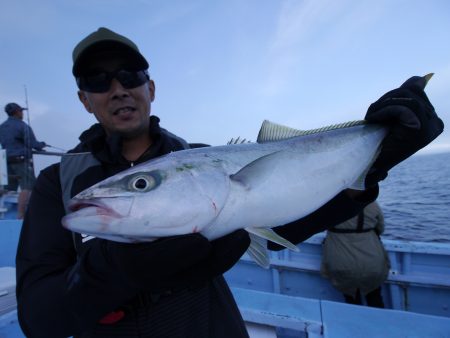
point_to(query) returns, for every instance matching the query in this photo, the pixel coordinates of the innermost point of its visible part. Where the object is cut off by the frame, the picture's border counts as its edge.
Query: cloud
(308, 31)
(297, 22)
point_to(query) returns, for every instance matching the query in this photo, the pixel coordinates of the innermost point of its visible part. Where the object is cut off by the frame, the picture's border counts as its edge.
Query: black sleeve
(337, 210)
(49, 305)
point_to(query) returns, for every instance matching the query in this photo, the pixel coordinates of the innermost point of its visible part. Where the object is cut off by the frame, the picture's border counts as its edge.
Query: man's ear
(151, 87)
(84, 100)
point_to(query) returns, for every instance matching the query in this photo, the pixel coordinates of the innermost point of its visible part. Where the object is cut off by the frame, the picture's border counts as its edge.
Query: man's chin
(131, 133)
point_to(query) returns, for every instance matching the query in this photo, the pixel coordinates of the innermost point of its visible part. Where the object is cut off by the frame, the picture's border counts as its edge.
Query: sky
(222, 67)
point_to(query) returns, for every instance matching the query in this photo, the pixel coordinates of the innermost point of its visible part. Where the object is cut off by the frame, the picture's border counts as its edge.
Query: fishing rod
(48, 153)
(27, 130)
(26, 105)
(60, 149)
(29, 124)
(56, 153)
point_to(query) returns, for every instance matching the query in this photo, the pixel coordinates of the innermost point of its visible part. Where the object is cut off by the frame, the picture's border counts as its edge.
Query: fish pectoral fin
(256, 171)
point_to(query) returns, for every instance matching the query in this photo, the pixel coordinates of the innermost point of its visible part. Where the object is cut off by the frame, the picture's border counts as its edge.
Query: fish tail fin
(360, 183)
(258, 246)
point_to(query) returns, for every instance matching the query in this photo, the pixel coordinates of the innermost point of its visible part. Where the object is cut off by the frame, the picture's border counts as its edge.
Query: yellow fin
(258, 251)
(272, 236)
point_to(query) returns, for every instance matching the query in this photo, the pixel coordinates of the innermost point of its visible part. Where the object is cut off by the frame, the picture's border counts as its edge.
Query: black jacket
(47, 260)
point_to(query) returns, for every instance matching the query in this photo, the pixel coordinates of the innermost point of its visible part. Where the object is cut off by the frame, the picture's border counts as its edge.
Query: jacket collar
(108, 148)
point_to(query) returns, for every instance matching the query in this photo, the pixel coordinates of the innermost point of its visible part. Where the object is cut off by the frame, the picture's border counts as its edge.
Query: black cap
(12, 107)
(106, 41)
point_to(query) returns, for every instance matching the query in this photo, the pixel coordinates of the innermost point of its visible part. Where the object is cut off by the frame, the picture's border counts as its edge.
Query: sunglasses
(101, 82)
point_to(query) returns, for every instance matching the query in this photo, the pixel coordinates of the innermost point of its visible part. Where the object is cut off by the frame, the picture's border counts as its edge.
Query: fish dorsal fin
(270, 131)
(274, 132)
(258, 246)
(238, 140)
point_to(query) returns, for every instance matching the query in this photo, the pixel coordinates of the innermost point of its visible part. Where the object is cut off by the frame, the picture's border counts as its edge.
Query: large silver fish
(285, 176)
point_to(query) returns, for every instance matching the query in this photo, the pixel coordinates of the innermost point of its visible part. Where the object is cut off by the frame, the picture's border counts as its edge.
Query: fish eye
(142, 183)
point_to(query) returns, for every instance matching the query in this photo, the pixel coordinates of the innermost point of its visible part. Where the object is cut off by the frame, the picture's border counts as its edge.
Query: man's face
(119, 110)
(19, 114)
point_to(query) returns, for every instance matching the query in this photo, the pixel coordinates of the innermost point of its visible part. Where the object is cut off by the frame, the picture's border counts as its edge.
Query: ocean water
(415, 199)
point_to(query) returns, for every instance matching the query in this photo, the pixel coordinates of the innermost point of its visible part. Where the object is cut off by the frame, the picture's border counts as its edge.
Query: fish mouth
(96, 207)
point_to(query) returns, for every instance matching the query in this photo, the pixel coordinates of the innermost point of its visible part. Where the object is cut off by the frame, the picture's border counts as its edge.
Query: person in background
(354, 258)
(18, 139)
(70, 285)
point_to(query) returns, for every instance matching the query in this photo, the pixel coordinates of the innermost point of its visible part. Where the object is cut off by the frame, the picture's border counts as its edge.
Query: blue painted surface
(318, 318)
(9, 326)
(294, 313)
(9, 236)
(419, 280)
(342, 320)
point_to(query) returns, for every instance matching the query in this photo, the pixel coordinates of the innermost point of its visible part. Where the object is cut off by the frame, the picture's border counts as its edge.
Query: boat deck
(418, 281)
(313, 318)
(292, 300)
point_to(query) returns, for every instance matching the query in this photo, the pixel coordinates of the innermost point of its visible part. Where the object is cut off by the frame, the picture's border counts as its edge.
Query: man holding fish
(130, 234)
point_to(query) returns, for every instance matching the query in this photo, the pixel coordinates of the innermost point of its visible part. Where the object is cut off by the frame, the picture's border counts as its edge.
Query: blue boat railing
(418, 281)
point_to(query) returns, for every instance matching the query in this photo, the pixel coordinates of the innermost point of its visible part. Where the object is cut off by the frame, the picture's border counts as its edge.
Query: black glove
(154, 265)
(413, 124)
(225, 252)
(177, 261)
